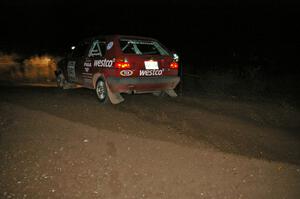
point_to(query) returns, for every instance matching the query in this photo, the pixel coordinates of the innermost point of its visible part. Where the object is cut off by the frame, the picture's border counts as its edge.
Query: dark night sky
(209, 27)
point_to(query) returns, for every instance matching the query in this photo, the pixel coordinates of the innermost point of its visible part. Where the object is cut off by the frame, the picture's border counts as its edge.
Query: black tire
(60, 80)
(101, 91)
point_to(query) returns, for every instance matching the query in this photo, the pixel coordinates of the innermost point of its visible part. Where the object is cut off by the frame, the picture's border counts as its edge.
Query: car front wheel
(101, 91)
(60, 80)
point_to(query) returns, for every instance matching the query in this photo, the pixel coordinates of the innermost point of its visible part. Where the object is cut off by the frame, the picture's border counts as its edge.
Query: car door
(75, 63)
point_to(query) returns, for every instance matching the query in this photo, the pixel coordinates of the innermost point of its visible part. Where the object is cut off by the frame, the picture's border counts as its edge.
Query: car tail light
(174, 65)
(122, 64)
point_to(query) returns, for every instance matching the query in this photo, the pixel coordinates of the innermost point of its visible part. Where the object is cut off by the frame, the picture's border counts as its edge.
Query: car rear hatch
(146, 57)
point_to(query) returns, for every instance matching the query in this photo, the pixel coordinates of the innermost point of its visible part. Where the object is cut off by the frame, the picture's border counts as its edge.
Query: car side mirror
(70, 52)
(175, 56)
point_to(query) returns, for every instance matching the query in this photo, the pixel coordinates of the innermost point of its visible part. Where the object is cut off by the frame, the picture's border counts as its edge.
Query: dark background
(205, 34)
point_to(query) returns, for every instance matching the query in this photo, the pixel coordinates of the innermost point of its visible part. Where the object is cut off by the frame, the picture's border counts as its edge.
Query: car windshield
(142, 47)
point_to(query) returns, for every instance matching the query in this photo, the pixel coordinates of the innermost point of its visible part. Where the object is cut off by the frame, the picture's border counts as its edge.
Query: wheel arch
(96, 77)
(115, 98)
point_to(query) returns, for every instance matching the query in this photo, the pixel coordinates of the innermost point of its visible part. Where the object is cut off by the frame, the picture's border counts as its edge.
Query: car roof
(135, 37)
(118, 37)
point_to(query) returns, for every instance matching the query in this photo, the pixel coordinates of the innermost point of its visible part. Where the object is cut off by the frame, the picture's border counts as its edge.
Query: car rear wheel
(101, 91)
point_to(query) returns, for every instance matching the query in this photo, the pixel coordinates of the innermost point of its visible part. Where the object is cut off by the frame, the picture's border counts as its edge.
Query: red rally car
(118, 64)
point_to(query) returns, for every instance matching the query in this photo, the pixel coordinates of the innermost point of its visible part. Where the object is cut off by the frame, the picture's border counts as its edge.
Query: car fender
(115, 98)
(96, 76)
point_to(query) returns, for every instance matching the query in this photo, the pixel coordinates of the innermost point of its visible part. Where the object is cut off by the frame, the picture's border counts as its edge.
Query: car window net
(140, 47)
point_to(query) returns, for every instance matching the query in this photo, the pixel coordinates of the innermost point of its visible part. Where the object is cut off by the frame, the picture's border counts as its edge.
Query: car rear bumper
(142, 84)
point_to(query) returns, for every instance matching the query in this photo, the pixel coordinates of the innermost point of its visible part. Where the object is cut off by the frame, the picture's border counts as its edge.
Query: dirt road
(63, 144)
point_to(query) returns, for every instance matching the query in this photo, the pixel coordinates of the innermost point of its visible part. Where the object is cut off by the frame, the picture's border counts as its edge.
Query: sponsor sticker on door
(71, 70)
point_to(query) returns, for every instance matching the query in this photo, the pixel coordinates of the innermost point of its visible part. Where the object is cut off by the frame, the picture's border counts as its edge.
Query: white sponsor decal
(87, 74)
(109, 45)
(95, 50)
(151, 64)
(103, 63)
(126, 73)
(71, 70)
(86, 69)
(87, 64)
(151, 72)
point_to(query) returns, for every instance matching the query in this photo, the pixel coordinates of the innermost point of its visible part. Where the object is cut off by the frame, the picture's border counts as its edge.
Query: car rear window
(142, 47)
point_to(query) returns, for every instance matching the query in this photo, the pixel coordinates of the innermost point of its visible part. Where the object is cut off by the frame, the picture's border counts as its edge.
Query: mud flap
(115, 98)
(157, 93)
(171, 93)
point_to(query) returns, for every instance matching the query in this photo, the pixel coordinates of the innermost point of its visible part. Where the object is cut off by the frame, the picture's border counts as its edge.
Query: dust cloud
(36, 68)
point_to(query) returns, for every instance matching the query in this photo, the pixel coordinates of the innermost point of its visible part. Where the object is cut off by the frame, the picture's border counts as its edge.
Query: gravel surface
(63, 144)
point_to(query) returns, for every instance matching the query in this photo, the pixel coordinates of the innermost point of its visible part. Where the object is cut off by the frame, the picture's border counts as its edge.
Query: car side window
(80, 50)
(97, 49)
